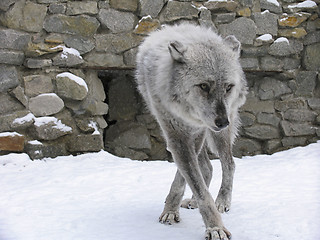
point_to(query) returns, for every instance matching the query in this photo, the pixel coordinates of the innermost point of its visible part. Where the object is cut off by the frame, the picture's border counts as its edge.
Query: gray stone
(37, 63)
(266, 22)
(6, 120)
(82, 44)
(37, 84)
(294, 141)
(272, 146)
(271, 88)
(37, 150)
(297, 129)
(69, 88)
(22, 120)
(280, 48)
(295, 103)
(56, 8)
(117, 21)
(94, 107)
(294, 8)
(106, 60)
(267, 118)
(45, 104)
(151, 7)
(33, 17)
(11, 104)
(96, 89)
(271, 64)
(249, 51)
(271, 6)
(18, 93)
(123, 151)
(85, 143)
(126, 5)
(15, 40)
(5, 4)
(130, 57)
(178, 10)
(11, 57)
(218, 6)
(79, 7)
(314, 103)
(224, 18)
(254, 105)
(306, 83)
(82, 25)
(244, 29)
(311, 57)
(247, 119)
(249, 63)
(66, 59)
(116, 43)
(291, 63)
(86, 125)
(50, 128)
(299, 115)
(245, 147)
(8, 78)
(262, 132)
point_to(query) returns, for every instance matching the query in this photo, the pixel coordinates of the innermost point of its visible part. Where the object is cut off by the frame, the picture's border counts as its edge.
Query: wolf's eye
(204, 87)
(229, 87)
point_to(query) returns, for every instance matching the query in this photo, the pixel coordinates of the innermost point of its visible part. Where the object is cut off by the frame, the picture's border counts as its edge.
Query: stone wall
(66, 69)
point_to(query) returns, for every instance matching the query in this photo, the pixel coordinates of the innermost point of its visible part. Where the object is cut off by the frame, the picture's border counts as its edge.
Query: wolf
(191, 80)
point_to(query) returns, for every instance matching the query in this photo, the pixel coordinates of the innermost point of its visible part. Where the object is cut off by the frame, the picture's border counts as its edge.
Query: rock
(11, 104)
(178, 10)
(82, 44)
(151, 7)
(272, 146)
(11, 57)
(272, 6)
(37, 84)
(250, 51)
(18, 93)
(263, 39)
(312, 38)
(22, 120)
(266, 22)
(71, 86)
(130, 57)
(292, 20)
(306, 83)
(13, 39)
(267, 118)
(117, 21)
(5, 4)
(262, 132)
(293, 141)
(45, 104)
(280, 47)
(291, 63)
(55, 39)
(245, 147)
(314, 103)
(87, 7)
(299, 115)
(96, 89)
(94, 59)
(8, 78)
(249, 63)
(123, 151)
(66, 59)
(50, 128)
(254, 105)
(78, 25)
(37, 63)
(297, 129)
(306, 6)
(247, 119)
(295, 32)
(86, 125)
(215, 6)
(294, 103)
(11, 141)
(37, 150)
(147, 25)
(126, 5)
(95, 107)
(244, 29)
(116, 43)
(244, 12)
(311, 57)
(40, 49)
(56, 8)
(271, 64)
(85, 143)
(6, 120)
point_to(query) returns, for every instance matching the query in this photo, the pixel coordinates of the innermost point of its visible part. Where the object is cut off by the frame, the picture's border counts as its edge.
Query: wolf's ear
(177, 50)
(233, 43)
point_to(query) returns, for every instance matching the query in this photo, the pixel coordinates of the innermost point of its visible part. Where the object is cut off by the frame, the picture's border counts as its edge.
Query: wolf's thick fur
(192, 82)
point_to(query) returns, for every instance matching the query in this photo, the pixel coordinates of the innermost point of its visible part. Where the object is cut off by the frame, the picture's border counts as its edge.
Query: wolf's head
(207, 81)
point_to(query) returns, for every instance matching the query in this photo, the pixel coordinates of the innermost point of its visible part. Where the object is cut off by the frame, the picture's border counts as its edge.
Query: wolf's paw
(217, 233)
(169, 217)
(189, 203)
(223, 203)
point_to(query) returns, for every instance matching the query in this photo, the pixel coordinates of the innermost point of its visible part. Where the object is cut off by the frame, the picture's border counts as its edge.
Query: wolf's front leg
(186, 159)
(170, 213)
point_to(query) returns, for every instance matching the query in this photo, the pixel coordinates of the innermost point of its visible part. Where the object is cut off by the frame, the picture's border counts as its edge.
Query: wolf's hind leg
(170, 213)
(206, 170)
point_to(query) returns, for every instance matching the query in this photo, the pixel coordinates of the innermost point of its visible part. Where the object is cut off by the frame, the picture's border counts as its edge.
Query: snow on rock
(10, 134)
(93, 125)
(35, 142)
(57, 124)
(28, 118)
(265, 37)
(274, 2)
(71, 86)
(66, 51)
(305, 4)
(74, 78)
(282, 39)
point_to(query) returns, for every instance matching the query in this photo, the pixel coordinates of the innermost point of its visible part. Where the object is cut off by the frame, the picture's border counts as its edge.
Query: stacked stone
(51, 51)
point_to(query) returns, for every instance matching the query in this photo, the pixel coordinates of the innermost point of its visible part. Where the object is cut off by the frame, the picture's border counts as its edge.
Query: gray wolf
(192, 82)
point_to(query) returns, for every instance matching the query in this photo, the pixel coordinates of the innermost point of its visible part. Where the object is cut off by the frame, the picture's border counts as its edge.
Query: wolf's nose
(221, 122)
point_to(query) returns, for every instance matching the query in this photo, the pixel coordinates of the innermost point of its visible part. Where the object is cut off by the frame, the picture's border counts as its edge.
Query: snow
(35, 142)
(305, 4)
(265, 11)
(265, 37)
(282, 39)
(52, 120)
(99, 196)
(9, 134)
(274, 2)
(66, 51)
(75, 78)
(95, 127)
(27, 118)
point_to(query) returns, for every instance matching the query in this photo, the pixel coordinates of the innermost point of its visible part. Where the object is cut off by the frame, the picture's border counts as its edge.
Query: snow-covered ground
(102, 197)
